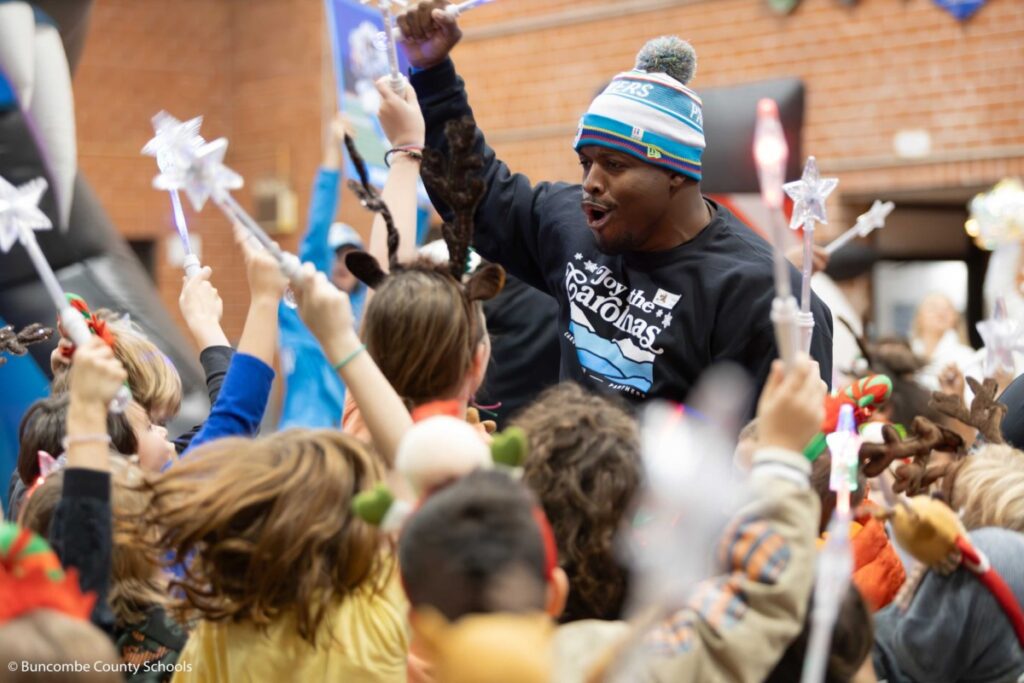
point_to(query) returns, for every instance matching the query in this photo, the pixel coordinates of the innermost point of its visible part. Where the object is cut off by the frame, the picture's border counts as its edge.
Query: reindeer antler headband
(456, 181)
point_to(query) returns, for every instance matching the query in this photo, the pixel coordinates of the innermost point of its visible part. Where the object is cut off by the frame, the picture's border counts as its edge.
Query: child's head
(137, 578)
(428, 339)
(152, 377)
(44, 616)
(268, 524)
(44, 426)
(36, 511)
(584, 465)
(852, 640)
(987, 489)
(480, 545)
(153, 447)
(47, 637)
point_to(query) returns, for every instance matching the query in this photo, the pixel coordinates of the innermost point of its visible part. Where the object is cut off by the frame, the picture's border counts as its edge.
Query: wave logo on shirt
(620, 361)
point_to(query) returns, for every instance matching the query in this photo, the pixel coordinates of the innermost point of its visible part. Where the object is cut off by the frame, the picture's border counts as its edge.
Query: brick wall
(255, 68)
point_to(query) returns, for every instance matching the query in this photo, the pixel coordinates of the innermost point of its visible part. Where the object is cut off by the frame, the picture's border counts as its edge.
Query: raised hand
(429, 34)
(266, 281)
(97, 375)
(202, 308)
(792, 405)
(400, 115)
(327, 313)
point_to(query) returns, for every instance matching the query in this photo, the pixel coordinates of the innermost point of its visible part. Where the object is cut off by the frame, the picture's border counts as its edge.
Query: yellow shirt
(370, 643)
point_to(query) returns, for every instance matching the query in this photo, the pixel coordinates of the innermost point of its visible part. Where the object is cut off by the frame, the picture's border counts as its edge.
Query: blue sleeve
(241, 403)
(322, 207)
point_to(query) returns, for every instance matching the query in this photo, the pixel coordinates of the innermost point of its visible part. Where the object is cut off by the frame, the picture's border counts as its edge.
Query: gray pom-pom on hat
(668, 55)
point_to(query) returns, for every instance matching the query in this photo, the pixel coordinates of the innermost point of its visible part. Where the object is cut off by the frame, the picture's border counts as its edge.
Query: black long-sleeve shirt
(642, 325)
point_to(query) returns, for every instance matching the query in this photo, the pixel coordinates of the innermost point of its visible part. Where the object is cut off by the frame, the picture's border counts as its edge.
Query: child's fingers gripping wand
(808, 195)
(866, 223)
(771, 153)
(20, 217)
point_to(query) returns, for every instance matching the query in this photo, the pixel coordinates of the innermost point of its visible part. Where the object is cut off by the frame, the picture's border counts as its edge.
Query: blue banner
(358, 63)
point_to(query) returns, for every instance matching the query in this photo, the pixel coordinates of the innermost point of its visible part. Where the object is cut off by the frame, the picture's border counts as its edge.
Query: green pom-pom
(509, 447)
(373, 505)
(668, 55)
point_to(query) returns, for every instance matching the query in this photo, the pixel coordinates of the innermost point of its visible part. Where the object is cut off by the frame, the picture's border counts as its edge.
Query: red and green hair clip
(867, 395)
(31, 578)
(99, 328)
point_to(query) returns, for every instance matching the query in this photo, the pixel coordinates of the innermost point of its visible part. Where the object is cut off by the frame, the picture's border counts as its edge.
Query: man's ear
(676, 182)
(558, 593)
(365, 268)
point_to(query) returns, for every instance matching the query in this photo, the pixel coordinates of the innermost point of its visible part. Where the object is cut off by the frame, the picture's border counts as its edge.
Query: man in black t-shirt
(654, 282)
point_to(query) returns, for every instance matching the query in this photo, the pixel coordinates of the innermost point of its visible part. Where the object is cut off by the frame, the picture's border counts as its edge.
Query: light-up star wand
(199, 170)
(20, 217)
(172, 138)
(808, 195)
(771, 153)
(866, 223)
(386, 8)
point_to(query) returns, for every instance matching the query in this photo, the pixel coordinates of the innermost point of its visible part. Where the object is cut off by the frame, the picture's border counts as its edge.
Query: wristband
(412, 151)
(348, 359)
(72, 439)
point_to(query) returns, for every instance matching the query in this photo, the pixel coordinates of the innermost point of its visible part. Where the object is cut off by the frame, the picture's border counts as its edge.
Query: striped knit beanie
(649, 112)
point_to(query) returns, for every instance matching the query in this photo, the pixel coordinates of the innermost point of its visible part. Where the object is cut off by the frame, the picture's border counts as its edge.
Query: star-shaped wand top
(1002, 337)
(809, 195)
(175, 142)
(19, 210)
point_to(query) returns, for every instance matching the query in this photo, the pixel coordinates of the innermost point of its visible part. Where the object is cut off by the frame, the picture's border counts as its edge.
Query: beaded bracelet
(412, 151)
(72, 439)
(349, 358)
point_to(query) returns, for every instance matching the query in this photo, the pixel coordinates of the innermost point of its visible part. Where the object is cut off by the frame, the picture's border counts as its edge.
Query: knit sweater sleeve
(508, 226)
(81, 533)
(239, 408)
(739, 623)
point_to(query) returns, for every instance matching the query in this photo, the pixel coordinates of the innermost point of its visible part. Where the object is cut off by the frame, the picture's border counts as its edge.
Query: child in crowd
(584, 466)
(481, 545)
(423, 326)
(287, 584)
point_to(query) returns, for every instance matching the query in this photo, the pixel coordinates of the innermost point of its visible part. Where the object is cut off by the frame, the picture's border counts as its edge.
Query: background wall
(259, 71)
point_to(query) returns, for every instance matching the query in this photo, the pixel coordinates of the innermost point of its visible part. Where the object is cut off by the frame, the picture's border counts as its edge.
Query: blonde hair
(269, 524)
(152, 377)
(988, 488)
(960, 326)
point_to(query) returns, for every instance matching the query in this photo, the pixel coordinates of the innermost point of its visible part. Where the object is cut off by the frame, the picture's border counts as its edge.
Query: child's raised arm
(239, 408)
(81, 531)
(402, 121)
(328, 315)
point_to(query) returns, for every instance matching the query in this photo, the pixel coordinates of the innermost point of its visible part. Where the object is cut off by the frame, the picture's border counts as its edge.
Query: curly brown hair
(584, 465)
(268, 524)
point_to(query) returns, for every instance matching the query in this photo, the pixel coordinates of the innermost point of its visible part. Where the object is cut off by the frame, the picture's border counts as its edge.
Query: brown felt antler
(925, 437)
(985, 414)
(17, 344)
(363, 265)
(456, 181)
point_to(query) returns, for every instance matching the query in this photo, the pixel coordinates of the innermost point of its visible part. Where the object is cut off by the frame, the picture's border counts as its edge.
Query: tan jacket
(739, 623)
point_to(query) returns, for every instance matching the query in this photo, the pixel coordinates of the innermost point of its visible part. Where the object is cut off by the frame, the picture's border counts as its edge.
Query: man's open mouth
(597, 215)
